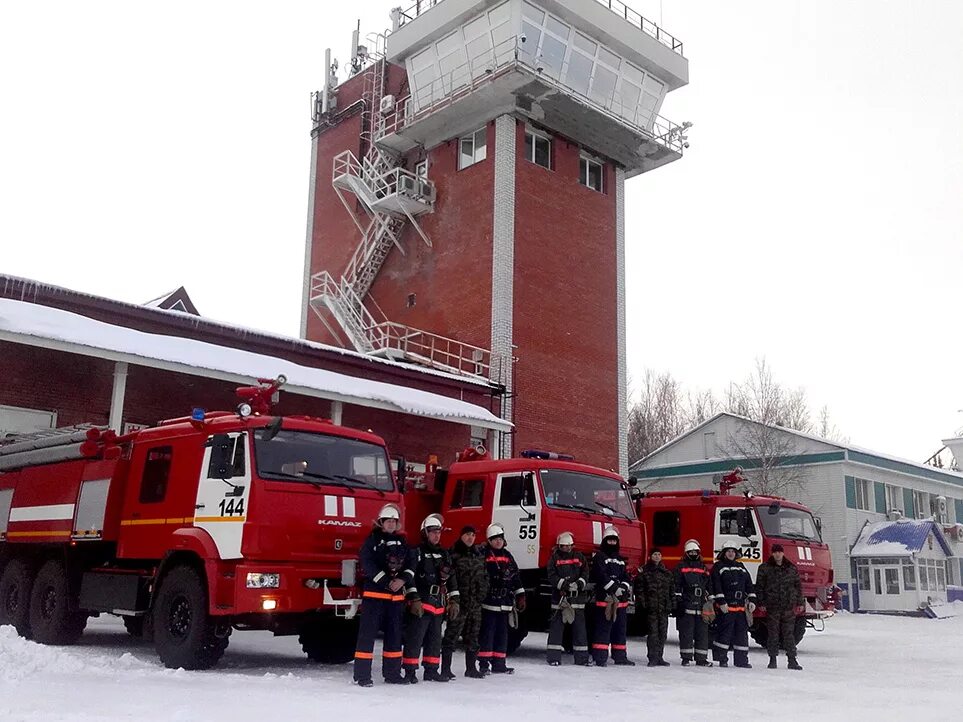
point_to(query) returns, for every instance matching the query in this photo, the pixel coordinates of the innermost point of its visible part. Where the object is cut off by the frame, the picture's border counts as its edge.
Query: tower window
(590, 173)
(538, 149)
(472, 148)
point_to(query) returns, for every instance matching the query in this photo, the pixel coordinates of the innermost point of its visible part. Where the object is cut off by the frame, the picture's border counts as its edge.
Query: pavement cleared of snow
(861, 667)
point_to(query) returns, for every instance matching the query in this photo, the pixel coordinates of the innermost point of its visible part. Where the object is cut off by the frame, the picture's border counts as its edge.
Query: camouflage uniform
(472, 579)
(654, 592)
(779, 590)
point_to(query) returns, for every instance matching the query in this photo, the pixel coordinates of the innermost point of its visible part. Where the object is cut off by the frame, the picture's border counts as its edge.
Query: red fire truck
(192, 528)
(753, 524)
(535, 498)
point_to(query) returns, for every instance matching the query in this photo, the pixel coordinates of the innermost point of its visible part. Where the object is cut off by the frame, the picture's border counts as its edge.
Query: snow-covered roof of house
(37, 325)
(854, 453)
(900, 538)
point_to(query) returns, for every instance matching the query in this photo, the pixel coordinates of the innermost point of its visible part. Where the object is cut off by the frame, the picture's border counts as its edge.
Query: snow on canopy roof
(900, 538)
(33, 324)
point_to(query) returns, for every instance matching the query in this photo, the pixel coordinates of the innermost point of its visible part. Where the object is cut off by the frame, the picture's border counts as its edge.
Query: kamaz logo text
(339, 522)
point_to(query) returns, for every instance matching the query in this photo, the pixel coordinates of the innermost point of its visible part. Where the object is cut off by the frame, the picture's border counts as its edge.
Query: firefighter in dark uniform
(655, 597)
(568, 577)
(736, 601)
(780, 596)
(505, 594)
(692, 586)
(612, 591)
(433, 587)
(468, 563)
(383, 559)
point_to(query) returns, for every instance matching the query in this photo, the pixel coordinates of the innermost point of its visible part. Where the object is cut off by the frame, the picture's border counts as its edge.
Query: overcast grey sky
(816, 219)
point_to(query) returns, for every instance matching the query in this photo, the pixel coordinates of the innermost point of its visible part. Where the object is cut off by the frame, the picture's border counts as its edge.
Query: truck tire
(54, 617)
(330, 640)
(185, 634)
(760, 634)
(15, 585)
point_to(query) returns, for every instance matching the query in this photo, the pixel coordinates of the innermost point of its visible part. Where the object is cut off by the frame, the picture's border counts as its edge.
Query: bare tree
(657, 416)
(828, 430)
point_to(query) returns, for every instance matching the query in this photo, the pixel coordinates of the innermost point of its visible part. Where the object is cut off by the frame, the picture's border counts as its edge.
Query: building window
(666, 528)
(909, 577)
(473, 148)
(590, 173)
(862, 575)
(863, 494)
(892, 581)
(894, 498)
(921, 503)
(157, 469)
(538, 149)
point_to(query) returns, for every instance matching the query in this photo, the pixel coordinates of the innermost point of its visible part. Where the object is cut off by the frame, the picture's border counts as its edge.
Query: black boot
(471, 668)
(663, 663)
(446, 665)
(772, 662)
(624, 663)
(411, 675)
(433, 675)
(793, 664)
(703, 662)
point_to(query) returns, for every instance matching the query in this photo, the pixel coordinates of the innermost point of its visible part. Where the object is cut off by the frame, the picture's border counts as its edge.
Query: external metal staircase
(391, 197)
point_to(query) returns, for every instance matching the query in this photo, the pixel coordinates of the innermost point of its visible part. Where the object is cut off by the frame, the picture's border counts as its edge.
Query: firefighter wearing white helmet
(612, 591)
(568, 577)
(694, 606)
(386, 569)
(505, 595)
(433, 590)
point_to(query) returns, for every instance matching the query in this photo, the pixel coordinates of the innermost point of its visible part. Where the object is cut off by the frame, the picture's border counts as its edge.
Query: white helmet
(565, 539)
(610, 531)
(494, 530)
(692, 546)
(389, 511)
(432, 521)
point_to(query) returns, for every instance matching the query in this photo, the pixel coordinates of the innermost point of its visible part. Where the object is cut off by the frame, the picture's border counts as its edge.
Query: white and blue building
(844, 485)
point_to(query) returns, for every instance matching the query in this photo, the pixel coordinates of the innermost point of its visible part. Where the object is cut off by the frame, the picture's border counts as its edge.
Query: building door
(518, 510)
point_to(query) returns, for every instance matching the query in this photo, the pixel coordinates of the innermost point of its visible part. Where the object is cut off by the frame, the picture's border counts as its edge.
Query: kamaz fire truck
(753, 524)
(535, 498)
(191, 529)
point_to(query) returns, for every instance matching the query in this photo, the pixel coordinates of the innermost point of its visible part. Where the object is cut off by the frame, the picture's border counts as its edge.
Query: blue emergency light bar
(548, 455)
(197, 414)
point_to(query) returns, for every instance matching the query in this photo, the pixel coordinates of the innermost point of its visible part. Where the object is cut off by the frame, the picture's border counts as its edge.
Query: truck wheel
(517, 635)
(54, 618)
(800, 630)
(330, 640)
(760, 634)
(15, 585)
(185, 634)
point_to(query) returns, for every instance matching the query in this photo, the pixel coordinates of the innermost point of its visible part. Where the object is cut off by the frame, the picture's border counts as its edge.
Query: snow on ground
(861, 667)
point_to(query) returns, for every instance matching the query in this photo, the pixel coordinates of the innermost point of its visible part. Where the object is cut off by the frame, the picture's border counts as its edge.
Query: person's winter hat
(777, 548)
(468, 529)
(655, 551)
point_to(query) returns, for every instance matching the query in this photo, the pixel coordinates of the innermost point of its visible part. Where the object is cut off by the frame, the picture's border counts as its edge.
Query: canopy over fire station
(46, 327)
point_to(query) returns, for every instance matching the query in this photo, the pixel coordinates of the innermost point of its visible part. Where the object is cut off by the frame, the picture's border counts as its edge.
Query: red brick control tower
(467, 203)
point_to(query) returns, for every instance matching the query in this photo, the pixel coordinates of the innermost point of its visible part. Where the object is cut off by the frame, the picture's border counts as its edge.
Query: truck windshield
(316, 458)
(586, 492)
(789, 524)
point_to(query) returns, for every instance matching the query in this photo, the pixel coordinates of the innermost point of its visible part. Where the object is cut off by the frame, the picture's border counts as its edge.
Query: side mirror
(819, 524)
(774, 508)
(272, 429)
(402, 473)
(633, 481)
(222, 457)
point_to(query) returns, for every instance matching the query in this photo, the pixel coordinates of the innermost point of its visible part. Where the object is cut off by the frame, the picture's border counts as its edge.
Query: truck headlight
(261, 580)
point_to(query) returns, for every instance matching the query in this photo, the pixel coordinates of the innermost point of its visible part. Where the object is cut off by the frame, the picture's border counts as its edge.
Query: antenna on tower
(359, 53)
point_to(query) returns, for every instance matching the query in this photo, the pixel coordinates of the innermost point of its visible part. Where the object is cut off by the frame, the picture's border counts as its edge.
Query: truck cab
(535, 499)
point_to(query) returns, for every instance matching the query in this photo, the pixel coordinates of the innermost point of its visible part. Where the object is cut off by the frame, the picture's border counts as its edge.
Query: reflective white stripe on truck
(52, 512)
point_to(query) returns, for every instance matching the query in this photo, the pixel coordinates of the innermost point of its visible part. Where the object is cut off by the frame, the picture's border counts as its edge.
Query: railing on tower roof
(420, 7)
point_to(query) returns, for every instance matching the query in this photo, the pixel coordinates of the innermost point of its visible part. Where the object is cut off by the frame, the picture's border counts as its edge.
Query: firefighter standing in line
(469, 570)
(735, 598)
(383, 558)
(654, 592)
(568, 577)
(780, 597)
(433, 586)
(692, 585)
(612, 591)
(505, 594)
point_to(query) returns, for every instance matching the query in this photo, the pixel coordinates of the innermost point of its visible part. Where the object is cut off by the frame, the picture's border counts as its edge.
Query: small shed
(900, 566)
